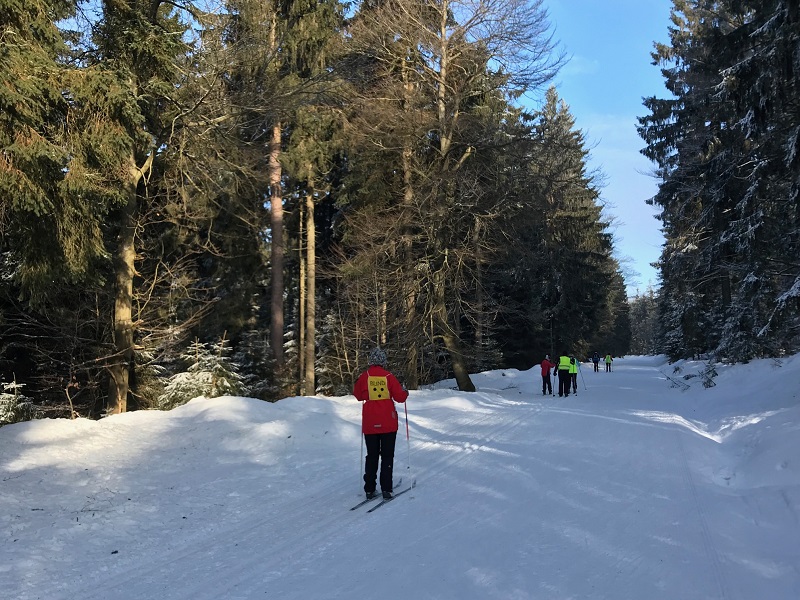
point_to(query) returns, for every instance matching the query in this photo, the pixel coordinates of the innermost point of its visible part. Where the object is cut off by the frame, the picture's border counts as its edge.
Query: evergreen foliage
(48, 230)
(579, 248)
(646, 336)
(726, 149)
(14, 406)
(556, 278)
(210, 373)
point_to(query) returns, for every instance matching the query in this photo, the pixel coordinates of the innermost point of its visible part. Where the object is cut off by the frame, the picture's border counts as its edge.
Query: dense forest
(247, 198)
(727, 151)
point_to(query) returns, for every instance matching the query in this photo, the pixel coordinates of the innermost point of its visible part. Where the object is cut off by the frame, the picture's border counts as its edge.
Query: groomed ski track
(544, 497)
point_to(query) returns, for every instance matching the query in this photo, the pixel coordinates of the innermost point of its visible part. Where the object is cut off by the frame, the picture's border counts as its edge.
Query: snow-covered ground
(643, 486)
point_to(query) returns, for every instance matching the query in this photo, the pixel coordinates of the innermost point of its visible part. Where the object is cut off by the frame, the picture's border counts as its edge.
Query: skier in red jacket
(379, 390)
(547, 385)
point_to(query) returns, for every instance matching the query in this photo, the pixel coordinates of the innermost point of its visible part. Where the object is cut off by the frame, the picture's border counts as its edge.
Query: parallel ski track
(289, 554)
(244, 577)
(206, 548)
(708, 541)
(448, 460)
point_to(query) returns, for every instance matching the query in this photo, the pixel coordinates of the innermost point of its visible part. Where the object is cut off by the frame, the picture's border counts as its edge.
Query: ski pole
(361, 458)
(408, 444)
(582, 379)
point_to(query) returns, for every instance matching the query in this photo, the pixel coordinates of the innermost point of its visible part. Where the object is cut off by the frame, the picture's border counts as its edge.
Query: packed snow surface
(644, 485)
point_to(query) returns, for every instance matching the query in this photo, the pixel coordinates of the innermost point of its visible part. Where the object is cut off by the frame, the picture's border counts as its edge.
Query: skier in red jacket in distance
(378, 389)
(547, 385)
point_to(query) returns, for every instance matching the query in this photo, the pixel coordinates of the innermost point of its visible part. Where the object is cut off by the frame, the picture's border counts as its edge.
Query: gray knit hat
(377, 357)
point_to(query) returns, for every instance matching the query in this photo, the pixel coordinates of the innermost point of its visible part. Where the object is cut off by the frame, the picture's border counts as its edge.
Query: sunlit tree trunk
(124, 272)
(301, 338)
(277, 254)
(309, 381)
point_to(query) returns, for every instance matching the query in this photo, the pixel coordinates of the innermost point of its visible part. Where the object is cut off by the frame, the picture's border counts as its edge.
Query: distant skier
(596, 361)
(547, 366)
(608, 363)
(564, 378)
(378, 389)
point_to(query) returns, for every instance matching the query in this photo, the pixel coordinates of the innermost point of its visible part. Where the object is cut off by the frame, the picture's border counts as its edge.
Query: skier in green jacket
(564, 377)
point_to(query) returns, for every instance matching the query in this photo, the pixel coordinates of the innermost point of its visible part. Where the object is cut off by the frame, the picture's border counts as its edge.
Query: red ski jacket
(546, 366)
(378, 390)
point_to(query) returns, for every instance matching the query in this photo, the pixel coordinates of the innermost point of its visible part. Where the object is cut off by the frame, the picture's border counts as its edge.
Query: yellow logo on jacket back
(378, 388)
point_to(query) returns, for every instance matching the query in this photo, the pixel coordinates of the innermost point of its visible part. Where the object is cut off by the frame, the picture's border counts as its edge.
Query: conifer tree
(281, 76)
(312, 47)
(135, 67)
(725, 152)
(210, 372)
(60, 177)
(645, 329)
(679, 135)
(48, 228)
(580, 268)
(760, 86)
(15, 407)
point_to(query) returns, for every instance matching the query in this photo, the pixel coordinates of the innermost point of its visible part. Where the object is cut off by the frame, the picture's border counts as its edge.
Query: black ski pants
(547, 386)
(379, 446)
(564, 380)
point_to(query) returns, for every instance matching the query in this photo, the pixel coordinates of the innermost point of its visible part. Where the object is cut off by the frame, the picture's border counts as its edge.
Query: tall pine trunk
(479, 296)
(301, 282)
(450, 336)
(277, 254)
(452, 342)
(124, 271)
(410, 285)
(309, 381)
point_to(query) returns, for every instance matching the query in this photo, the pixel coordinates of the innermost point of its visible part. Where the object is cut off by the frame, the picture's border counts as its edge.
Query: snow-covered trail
(616, 492)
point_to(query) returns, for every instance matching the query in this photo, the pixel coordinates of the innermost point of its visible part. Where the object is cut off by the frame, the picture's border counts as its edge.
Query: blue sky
(609, 72)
